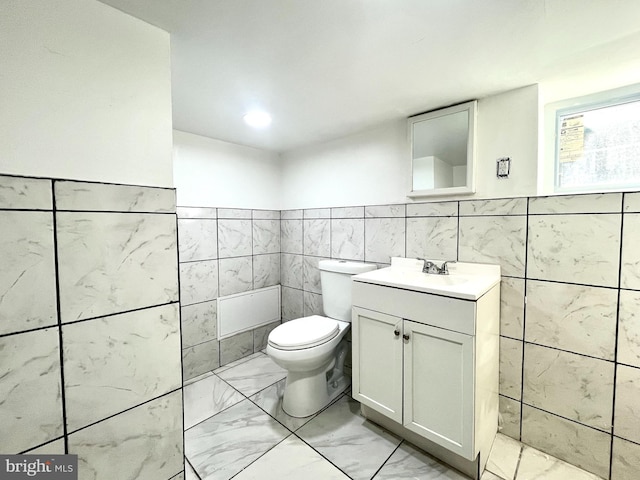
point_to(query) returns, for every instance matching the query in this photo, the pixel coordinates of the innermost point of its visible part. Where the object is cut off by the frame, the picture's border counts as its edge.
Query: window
(598, 146)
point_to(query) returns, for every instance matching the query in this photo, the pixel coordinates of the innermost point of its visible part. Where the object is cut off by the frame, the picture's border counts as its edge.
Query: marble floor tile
(225, 444)
(270, 400)
(504, 457)
(487, 475)
(355, 445)
(535, 465)
(410, 463)
(205, 398)
(189, 473)
(236, 363)
(252, 376)
(291, 459)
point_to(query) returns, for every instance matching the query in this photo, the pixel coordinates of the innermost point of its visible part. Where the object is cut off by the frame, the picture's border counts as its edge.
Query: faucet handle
(444, 269)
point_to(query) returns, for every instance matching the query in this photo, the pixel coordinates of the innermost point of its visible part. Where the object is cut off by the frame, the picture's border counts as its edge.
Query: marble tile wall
(223, 251)
(89, 326)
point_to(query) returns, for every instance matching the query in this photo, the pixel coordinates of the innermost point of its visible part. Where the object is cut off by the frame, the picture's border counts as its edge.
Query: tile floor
(235, 428)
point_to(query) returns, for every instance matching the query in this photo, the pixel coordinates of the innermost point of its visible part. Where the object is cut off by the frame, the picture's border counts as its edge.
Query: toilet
(313, 349)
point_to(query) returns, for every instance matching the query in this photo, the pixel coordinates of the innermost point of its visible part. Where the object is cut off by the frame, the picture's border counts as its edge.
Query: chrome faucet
(430, 267)
(444, 269)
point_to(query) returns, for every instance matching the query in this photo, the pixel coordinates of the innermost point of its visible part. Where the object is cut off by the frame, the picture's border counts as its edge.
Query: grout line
(524, 317)
(402, 440)
(515, 473)
(186, 460)
(184, 466)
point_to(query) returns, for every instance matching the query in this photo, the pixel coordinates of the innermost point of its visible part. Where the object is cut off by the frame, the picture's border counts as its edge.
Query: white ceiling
(328, 68)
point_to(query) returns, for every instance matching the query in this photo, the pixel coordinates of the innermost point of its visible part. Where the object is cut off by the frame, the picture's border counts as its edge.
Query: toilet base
(305, 396)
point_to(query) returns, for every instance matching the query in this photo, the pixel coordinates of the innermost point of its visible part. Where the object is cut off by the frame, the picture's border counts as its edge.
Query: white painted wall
(213, 173)
(85, 93)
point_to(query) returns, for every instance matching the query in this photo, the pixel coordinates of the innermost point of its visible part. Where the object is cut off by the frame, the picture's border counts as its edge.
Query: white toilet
(313, 349)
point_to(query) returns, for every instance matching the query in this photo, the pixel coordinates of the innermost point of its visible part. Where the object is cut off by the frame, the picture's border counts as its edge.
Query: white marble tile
(535, 465)
(347, 238)
(197, 239)
(30, 390)
(487, 475)
(266, 270)
(52, 448)
(504, 457)
(265, 214)
(197, 378)
(266, 236)
(25, 193)
(379, 211)
(317, 213)
(433, 209)
(497, 240)
(114, 262)
(384, 238)
(291, 270)
(411, 463)
(180, 476)
(237, 213)
(98, 197)
(311, 274)
(501, 206)
(240, 361)
(292, 303)
(197, 212)
(435, 237)
(582, 446)
(199, 323)
(236, 347)
(632, 202)
(509, 422)
(269, 399)
(235, 275)
(627, 408)
(568, 316)
(630, 268)
(225, 444)
(629, 328)
(114, 363)
(574, 248)
(205, 398)
(291, 236)
(510, 367)
(291, 214)
(189, 472)
(512, 307)
(317, 237)
(347, 212)
(198, 282)
(341, 425)
(313, 304)
(625, 460)
(200, 359)
(592, 203)
(234, 238)
(252, 376)
(146, 441)
(27, 275)
(576, 387)
(261, 336)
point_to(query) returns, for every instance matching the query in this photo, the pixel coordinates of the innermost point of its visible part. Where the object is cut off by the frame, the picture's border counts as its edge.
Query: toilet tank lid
(342, 266)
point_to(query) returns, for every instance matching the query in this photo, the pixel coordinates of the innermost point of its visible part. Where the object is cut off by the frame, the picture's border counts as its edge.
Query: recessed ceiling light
(257, 119)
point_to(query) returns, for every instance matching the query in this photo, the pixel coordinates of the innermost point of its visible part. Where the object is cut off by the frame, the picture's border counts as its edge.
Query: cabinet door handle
(405, 336)
(396, 332)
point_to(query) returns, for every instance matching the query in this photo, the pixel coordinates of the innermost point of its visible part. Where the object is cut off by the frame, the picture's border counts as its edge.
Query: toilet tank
(335, 277)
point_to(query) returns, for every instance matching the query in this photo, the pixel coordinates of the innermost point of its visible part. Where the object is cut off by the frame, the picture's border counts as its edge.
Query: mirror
(443, 151)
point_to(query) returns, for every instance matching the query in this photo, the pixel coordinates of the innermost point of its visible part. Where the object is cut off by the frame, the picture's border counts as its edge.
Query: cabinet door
(438, 386)
(377, 361)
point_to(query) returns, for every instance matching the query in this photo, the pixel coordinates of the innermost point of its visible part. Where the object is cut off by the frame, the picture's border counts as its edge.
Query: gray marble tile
(510, 367)
(592, 203)
(341, 425)
(236, 275)
(487, 475)
(252, 376)
(317, 237)
(291, 214)
(240, 361)
(99, 197)
(261, 336)
(571, 248)
(317, 213)
(501, 206)
(630, 262)
(146, 441)
(313, 304)
(197, 212)
(627, 408)
(55, 447)
(566, 316)
(576, 387)
(632, 202)
(180, 476)
(379, 211)
(30, 391)
(347, 239)
(131, 256)
(411, 463)
(27, 275)
(199, 323)
(266, 236)
(347, 212)
(291, 459)
(311, 274)
(25, 193)
(200, 359)
(535, 465)
(265, 214)
(512, 307)
(236, 347)
(114, 363)
(234, 238)
(291, 236)
(433, 209)
(225, 444)
(497, 240)
(234, 213)
(629, 328)
(292, 303)
(432, 237)
(198, 282)
(504, 457)
(509, 417)
(266, 270)
(582, 446)
(197, 378)
(384, 238)
(269, 399)
(206, 397)
(197, 239)
(625, 460)
(291, 270)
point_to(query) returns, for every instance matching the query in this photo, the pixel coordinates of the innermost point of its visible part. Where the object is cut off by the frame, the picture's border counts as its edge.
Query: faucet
(444, 269)
(430, 267)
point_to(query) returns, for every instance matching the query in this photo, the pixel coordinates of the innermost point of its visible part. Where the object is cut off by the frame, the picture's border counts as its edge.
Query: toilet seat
(306, 332)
